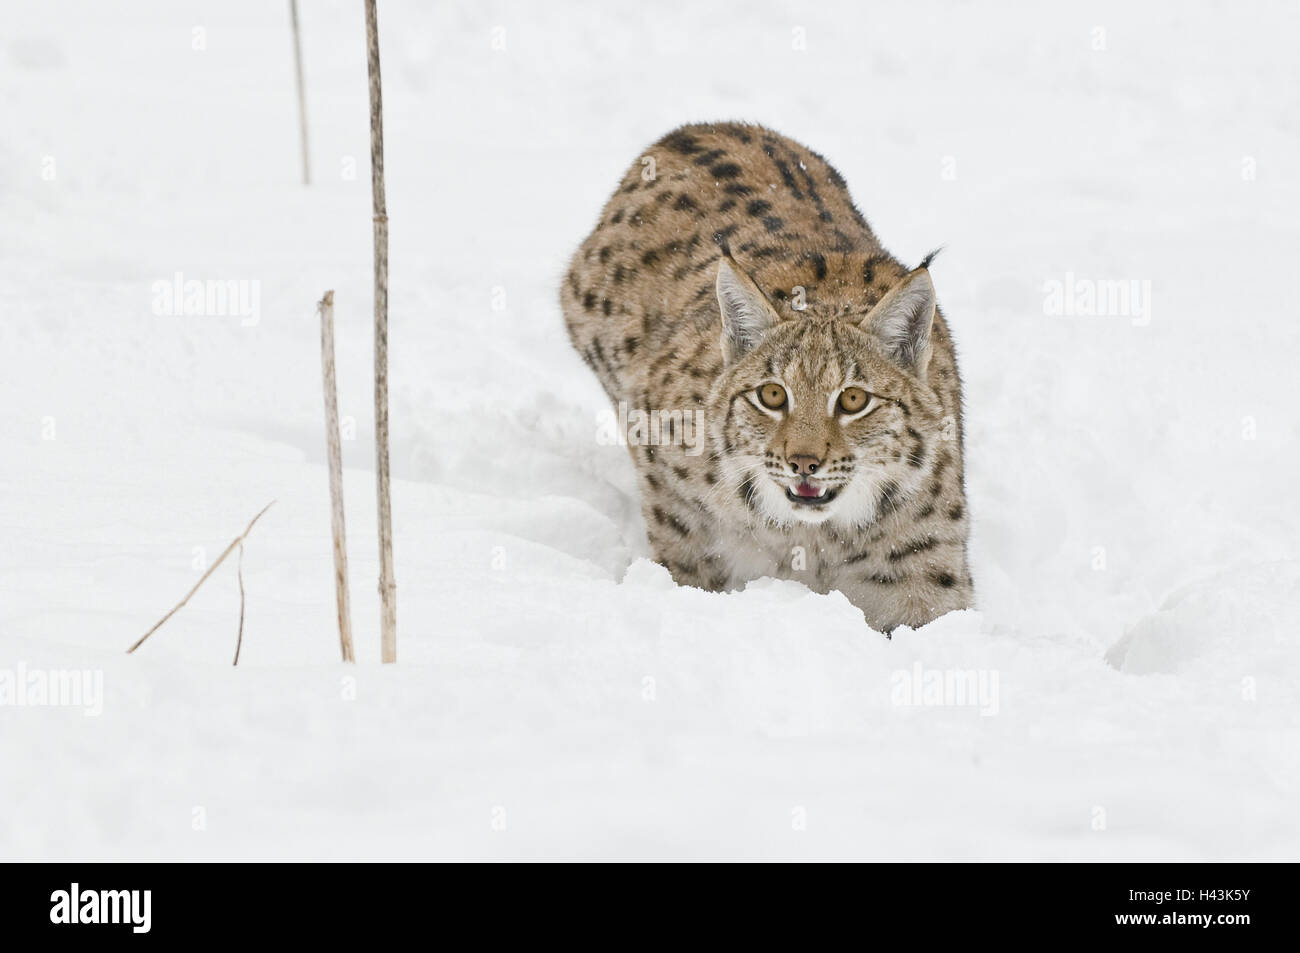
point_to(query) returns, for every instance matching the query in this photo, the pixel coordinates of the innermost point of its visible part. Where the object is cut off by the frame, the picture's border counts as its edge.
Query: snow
(1131, 481)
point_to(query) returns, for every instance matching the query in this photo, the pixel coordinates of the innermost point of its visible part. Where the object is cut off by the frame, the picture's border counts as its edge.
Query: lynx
(732, 292)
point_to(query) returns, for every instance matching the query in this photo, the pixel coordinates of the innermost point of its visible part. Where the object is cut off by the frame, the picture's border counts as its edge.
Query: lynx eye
(772, 396)
(853, 400)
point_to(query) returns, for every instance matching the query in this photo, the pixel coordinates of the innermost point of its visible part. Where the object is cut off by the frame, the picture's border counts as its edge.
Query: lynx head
(818, 418)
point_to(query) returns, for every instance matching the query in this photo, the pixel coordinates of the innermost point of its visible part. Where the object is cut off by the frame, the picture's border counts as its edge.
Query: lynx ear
(746, 312)
(901, 321)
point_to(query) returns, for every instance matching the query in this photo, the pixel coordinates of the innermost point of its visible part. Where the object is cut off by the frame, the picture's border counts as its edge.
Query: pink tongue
(805, 489)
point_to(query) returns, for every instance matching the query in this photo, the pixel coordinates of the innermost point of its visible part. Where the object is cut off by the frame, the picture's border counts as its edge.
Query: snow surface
(1132, 484)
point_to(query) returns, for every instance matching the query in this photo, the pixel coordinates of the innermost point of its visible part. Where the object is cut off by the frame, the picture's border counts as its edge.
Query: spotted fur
(730, 257)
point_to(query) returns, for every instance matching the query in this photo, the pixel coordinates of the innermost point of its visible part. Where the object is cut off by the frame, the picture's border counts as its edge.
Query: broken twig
(202, 579)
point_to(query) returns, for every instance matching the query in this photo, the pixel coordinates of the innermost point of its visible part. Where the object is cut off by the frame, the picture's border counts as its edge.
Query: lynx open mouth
(805, 494)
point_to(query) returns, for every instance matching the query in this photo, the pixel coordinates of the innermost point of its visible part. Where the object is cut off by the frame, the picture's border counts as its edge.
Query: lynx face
(822, 420)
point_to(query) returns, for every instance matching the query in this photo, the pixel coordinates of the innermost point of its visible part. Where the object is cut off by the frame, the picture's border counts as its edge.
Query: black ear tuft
(925, 262)
(720, 240)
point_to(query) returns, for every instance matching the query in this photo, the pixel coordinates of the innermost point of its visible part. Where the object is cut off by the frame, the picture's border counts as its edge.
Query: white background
(1132, 486)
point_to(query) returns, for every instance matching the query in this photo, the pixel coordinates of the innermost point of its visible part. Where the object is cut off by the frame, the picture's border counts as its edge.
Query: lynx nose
(803, 464)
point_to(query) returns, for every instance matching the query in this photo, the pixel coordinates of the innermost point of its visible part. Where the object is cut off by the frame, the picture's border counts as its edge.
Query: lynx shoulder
(789, 390)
